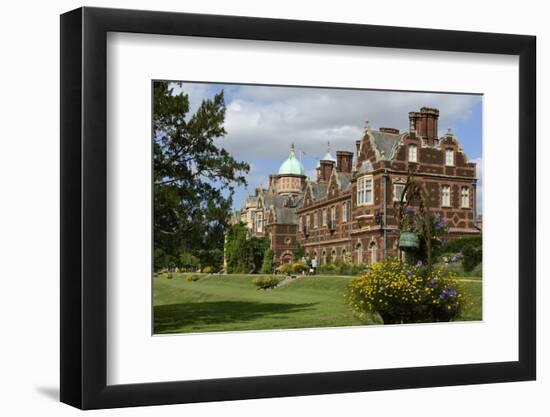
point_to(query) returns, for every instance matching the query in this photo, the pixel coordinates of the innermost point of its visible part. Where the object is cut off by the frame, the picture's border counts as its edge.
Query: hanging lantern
(409, 240)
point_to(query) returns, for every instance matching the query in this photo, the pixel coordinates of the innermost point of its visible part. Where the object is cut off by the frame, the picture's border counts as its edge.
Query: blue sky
(263, 121)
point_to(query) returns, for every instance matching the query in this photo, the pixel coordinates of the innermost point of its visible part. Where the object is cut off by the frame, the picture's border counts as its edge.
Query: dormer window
(449, 157)
(413, 153)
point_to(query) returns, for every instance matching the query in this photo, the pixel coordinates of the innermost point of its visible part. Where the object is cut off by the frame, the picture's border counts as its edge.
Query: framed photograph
(257, 208)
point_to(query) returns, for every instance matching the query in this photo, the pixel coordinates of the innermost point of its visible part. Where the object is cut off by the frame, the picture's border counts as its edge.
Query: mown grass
(232, 303)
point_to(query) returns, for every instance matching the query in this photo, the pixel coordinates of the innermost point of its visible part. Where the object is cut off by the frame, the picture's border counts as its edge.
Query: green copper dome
(292, 165)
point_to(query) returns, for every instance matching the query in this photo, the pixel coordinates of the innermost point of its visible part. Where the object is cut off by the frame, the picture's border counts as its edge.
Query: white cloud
(264, 121)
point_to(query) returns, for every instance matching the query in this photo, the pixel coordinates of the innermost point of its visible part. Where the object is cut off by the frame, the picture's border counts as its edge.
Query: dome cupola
(292, 166)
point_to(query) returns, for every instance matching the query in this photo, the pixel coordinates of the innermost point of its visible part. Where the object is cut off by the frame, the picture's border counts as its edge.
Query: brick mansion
(347, 212)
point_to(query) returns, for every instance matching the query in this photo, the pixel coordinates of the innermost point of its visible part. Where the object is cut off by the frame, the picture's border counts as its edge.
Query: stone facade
(347, 212)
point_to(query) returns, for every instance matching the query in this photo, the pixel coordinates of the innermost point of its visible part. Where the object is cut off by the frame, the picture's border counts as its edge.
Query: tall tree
(194, 177)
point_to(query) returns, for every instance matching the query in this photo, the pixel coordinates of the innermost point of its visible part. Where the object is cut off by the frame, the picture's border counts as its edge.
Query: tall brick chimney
(344, 161)
(325, 170)
(424, 123)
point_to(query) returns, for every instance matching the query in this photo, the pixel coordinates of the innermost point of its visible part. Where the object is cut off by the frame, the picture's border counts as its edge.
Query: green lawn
(231, 302)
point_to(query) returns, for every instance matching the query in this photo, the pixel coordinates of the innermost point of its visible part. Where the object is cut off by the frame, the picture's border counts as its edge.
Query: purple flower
(448, 293)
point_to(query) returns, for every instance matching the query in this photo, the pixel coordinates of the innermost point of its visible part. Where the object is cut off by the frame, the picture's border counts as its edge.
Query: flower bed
(404, 293)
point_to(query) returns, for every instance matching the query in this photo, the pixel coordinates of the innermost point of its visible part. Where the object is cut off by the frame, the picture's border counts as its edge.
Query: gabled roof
(365, 168)
(285, 215)
(342, 179)
(384, 143)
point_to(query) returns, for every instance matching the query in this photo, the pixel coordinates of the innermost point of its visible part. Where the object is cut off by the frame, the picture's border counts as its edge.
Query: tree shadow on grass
(189, 317)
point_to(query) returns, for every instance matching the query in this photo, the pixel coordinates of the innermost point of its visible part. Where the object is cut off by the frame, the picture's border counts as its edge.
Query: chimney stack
(391, 130)
(325, 170)
(344, 161)
(424, 123)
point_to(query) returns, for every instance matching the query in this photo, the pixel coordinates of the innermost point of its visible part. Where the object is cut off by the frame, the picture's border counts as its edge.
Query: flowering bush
(264, 283)
(299, 267)
(192, 277)
(402, 293)
(286, 269)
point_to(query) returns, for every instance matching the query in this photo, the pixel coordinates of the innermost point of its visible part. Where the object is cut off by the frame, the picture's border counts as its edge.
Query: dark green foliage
(342, 268)
(267, 265)
(212, 258)
(470, 247)
(265, 283)
(244, 254)
(299, 252)
(457, 245)
(472, 257)
(194, 177)
(188, 262)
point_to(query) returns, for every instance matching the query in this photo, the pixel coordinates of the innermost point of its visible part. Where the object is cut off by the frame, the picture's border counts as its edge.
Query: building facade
(348, 212)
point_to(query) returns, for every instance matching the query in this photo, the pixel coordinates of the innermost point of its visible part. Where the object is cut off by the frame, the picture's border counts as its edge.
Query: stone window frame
(451, 152)
(344, 212)
(325, 217)
(465, 196)
(443, 194)
(259, 222)
(315, 219)
(362, 187)
(398, 183)
(412, 152)
(373, 251)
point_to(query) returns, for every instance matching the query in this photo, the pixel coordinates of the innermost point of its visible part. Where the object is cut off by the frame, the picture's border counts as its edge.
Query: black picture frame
(84, 207)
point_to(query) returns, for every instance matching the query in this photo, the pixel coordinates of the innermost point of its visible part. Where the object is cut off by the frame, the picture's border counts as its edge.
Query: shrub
(299, 267)
(169, 276)
(401, 293)
(286, 269)
(208, 270)
(192, 277)
(188, 262)
(327, 269)
(264, 283)
(472, 257)
(342, 268)
(458, 245)
(267, 264)
(358, 268)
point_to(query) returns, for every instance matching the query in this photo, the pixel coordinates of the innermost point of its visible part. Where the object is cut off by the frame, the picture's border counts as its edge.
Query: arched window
(373, 253)
(344, 255)
(333, 255)
(324, 257)
(359, 253)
